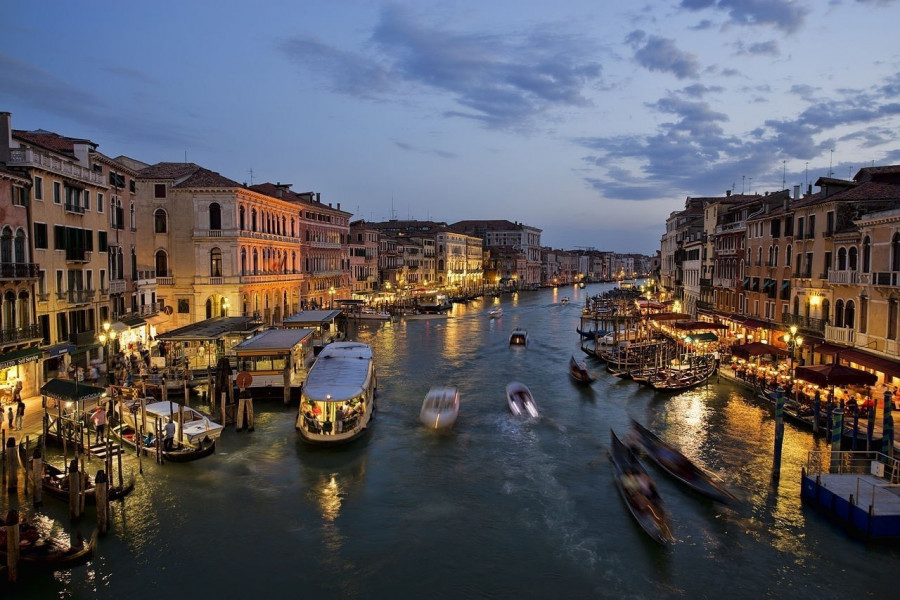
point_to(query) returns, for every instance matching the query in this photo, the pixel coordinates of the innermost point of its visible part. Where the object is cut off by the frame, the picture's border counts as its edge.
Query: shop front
(19, 368)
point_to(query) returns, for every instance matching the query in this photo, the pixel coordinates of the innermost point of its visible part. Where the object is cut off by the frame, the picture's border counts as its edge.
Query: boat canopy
(340, 373)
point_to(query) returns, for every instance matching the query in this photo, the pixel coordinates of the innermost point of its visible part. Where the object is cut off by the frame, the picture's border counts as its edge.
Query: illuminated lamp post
(108, 338)
(793, 341)
(331, 295)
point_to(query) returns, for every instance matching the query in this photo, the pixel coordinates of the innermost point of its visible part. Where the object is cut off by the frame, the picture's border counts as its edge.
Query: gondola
(40, 552)
(639, 491)
(55, 483)
(674, 380)
(579, 372)
(676, 464)
(590, 334)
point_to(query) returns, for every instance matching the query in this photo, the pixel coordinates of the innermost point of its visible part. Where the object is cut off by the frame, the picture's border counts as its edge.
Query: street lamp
(331, 293)
(108, 339)
(225, 306)
(793, 341)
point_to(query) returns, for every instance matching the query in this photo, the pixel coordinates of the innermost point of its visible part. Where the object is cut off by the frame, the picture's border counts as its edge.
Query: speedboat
(518, 337)
(564, 300)
(520, 400)
(579, 371)
(371, 314)
(495, 313)
(440, 408)
(195, 433)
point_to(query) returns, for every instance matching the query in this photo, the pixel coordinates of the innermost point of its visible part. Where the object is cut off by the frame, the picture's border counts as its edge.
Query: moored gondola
(39, 551)
(579, 372)
(55, 483)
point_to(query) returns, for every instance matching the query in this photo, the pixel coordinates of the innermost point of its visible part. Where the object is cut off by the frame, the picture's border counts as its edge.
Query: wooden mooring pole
(12, 469)
(101, 489)
(12, 546)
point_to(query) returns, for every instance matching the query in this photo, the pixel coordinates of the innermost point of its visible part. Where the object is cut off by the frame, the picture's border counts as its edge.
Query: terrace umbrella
(834, 375)
(887, 435)
(817, 408)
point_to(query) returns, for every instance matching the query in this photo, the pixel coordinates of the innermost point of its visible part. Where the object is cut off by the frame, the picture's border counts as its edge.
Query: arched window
(215, 263)
(243, 261)
(159, 221)
(292, 227)
(826, 307)
(255, 262)
(215, 216)
(787, 256)
(22, 312)
(131, 217)
(850, 314)
(839, 313)
(852, 256)
(895, 252)
(796, 305)
(241, 218)
(775, 257)
(6, 245)
(842, 259)
(253, 219)
(162, 264)
(867, 255)
(21, 252)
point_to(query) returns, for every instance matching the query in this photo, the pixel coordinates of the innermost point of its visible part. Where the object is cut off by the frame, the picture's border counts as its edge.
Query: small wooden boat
(579, 372)
(440, 408)
(639, 491)
(518, 337)
(55, 483)
(194, 439)
(676, 464)
(590, 334)
(370, 314)
(38, 551)
(495, 313)
(520, 400)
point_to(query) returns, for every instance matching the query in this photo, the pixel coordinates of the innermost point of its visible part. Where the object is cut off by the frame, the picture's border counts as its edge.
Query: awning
(133, 321)
(158, 319)
(826, 348)
(878, 363)
(769, 283)
(753, 323)
(746, 283)
(699, 325)
(786, 285)
(704, 337)
(83, 349)
(59, 350)
(756, 349)
(67, 389)
(20, 357)
(668, 316)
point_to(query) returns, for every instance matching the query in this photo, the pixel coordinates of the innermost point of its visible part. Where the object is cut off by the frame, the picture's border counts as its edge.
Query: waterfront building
(20, 335)
(217, 247)
(363, 259)
(459, 261)
(561, 267)
(501, 233)
(69, 212)
(679, 226)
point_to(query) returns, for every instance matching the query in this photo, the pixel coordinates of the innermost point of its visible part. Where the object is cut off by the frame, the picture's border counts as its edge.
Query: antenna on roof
(830, 160)
(783, 172)
(251, 175)
(806, 177)
(185, 156)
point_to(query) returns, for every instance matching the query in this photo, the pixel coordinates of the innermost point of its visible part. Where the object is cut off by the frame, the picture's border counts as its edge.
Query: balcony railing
(886, 278)
(808, 323)
(104, 292)
(80, 296)
(12, 270)
(165, 280)
(843, 277)
(117, 286)
(145, 310)
(75, 209)
(76, 255)
(26, 157)
(839, 335)
(15, 335)
(43, 296)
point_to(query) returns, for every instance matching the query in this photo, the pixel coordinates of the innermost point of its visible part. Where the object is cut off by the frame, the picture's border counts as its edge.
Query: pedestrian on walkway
(20, 414)
(10, 417)
(99, 420)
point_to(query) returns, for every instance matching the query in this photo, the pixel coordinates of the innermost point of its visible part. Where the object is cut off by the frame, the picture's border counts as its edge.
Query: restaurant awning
(878, 363)
(699, 325)
(67, 389)
(753, 323)
(834, 375)
(20, 357)
(826, 348)
(705, 337)
(756, 349)
(669, 316)
(59, 350)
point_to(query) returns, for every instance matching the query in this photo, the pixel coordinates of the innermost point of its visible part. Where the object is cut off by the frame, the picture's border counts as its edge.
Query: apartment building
(507, 234)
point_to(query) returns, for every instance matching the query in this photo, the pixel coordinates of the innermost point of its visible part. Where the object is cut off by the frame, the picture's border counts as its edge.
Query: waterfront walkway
(32, 423)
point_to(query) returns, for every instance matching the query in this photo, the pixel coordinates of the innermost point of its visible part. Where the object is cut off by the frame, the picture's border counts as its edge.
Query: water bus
(277, 360)
(338, 398)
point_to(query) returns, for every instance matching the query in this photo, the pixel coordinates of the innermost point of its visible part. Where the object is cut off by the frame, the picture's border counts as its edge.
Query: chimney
(318, 197)
(727, 193)
(339, 206)
(796, 192)
(5, 136)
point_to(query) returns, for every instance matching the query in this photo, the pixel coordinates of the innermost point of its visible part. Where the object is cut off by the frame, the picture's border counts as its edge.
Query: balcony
(839, 335)
(76, 255)
(80, 296)
(30, 157)
(12, 270)
(725, 282)
(104, 292)
(75, 209)
(145, 310)
(82, 338)
(843, 277)
(326, 245)
(807, 323)
(165, 280)
(42, 296)
(885, 278)
(117, 286)
(16, 335)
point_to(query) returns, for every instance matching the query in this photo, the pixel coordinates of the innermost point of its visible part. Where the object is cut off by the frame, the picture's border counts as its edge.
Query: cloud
(692, 153)
(699, 90)
(786, 15)
(769, 48)
(656, 53)
(432, 151)
(39, 89)
(498, 80)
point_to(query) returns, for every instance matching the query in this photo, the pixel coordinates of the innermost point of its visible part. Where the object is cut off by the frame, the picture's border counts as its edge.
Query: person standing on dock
(169, 438)
(9, 417)
(20, 413)
(99, 420)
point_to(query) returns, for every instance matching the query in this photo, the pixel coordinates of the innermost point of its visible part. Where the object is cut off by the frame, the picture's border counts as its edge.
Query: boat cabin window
(262, 363)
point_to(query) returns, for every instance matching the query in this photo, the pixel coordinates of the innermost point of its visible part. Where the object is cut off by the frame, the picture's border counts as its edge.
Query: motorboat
(520, 401)
(495, 313)
(564, 300)
(639, 491)
(141, 425)
(370, 314)
(518, 337)
(440, 408)
(579, 371)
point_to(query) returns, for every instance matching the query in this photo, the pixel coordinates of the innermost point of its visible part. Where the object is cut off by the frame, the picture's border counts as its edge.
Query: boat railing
(821, 462)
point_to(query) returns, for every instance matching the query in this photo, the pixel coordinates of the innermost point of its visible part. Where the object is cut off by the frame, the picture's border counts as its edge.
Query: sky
(590, 120)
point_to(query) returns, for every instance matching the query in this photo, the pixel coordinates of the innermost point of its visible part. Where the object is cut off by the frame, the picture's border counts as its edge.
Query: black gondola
(639, 491)
(579, 372)
(55, 483)
(676, 464)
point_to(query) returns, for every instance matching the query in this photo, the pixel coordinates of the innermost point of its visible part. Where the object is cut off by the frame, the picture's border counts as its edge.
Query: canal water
(498, 508)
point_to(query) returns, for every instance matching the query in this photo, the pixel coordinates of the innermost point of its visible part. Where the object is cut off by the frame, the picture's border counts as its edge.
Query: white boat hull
(440, 408)
(520, 401)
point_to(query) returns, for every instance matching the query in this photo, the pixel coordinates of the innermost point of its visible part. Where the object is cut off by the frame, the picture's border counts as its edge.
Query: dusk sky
(591, 120)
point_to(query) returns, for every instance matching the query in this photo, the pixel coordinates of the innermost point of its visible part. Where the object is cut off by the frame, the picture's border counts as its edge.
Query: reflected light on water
(327, 494)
